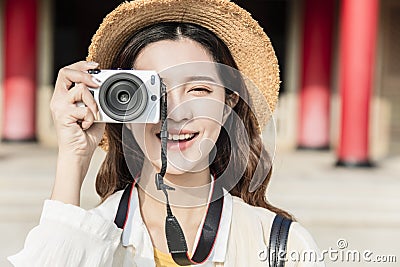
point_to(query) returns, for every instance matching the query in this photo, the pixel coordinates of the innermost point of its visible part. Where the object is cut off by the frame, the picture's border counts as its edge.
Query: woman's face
(196, 102)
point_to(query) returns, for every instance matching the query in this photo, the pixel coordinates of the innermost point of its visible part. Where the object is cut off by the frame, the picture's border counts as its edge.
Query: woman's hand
(77, 135)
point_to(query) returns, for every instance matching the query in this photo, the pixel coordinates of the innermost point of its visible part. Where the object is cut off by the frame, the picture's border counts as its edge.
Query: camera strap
(175, 237)
(177, 243)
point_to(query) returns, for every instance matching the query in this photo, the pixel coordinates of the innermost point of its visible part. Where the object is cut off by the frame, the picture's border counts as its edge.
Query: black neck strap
(175, 238)
(123, 208)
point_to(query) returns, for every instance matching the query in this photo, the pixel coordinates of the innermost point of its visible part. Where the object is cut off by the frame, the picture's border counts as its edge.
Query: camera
(127, 96)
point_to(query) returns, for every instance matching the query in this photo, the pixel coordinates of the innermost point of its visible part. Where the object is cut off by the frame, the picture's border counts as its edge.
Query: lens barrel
(123, 97)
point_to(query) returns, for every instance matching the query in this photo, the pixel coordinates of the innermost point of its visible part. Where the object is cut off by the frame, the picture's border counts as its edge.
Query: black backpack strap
(123, 207)
(278, 241)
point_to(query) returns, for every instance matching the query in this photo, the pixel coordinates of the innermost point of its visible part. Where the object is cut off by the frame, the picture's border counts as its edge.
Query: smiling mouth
(179, 137)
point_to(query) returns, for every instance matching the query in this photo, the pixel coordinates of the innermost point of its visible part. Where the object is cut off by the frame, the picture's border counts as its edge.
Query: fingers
(83, 115)
(80, 93)
(97, 131)
(83, 65)
(63, 102)
(76, 73)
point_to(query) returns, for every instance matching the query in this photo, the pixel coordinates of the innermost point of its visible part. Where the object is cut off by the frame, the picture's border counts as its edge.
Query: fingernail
(97, 81)
(92, 63)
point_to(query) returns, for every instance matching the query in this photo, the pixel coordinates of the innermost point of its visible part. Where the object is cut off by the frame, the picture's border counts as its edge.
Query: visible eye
(200, 90)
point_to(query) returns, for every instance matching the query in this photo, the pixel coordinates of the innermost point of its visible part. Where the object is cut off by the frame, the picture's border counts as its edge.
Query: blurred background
(337, 162)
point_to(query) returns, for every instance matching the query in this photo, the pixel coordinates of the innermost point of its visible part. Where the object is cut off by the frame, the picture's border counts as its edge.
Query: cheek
(209, 109)
(141, 133)
(212, 130)
(210, 117)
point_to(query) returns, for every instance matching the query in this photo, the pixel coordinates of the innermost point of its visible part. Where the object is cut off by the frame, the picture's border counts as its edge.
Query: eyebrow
(200, 78)
(196, 78)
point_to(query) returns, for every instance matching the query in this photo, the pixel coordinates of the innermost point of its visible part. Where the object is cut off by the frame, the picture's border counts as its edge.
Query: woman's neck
(191, 188)
(188, 203)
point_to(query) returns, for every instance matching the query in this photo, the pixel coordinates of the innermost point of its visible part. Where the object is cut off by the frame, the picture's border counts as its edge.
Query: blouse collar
(136, 234)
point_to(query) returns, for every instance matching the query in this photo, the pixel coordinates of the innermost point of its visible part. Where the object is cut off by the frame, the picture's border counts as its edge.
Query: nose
(178, 109)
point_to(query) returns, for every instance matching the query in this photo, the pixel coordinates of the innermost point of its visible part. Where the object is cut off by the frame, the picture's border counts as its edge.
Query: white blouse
(68, 235)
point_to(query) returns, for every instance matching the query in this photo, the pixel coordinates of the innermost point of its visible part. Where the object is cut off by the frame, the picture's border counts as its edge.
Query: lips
(182, 137)
(180, 141)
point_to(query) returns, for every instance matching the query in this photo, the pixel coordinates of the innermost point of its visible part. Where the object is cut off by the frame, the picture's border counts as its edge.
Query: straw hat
(246, 40)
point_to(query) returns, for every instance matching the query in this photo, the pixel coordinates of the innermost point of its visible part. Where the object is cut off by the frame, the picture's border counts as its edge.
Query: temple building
(339, 61)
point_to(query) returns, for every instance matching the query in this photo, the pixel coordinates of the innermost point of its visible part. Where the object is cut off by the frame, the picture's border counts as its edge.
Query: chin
(181, 168)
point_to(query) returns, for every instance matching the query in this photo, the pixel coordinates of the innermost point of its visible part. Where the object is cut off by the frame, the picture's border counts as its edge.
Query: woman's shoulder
(108, 207)
(262, 218)
(249, 213)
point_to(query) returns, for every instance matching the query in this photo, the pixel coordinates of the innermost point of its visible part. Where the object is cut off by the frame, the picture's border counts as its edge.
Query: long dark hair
(114, 173)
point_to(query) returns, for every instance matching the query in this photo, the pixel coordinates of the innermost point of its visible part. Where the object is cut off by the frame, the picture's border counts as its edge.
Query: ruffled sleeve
(68, 235)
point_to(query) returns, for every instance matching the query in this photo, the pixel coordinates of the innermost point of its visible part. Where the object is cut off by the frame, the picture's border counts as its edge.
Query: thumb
(96, 132)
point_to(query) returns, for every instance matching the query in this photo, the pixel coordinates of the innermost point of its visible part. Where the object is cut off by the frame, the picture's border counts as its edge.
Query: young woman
(214, 142)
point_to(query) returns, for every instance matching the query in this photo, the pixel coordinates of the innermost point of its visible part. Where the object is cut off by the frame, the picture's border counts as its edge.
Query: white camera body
(127, 96)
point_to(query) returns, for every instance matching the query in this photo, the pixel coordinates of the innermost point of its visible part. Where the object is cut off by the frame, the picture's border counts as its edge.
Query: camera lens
(123, 97)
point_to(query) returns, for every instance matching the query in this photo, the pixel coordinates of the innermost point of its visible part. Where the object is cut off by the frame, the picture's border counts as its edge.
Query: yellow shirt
(163, 259)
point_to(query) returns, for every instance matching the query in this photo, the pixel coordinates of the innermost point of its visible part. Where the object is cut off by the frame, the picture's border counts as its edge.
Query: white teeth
(177, 137)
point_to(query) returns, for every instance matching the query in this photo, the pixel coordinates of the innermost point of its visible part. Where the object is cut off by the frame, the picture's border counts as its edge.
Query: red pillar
(19, 70)
(357, 53)
(316, 74)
